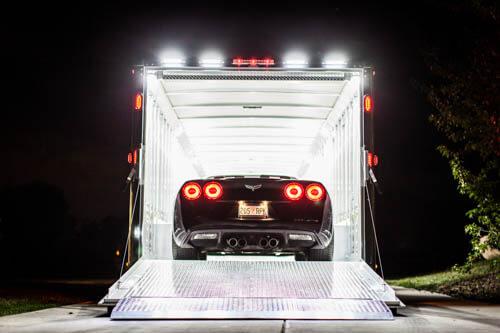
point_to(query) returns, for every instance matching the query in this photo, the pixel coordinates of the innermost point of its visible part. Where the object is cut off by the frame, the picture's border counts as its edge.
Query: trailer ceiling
(250, 122)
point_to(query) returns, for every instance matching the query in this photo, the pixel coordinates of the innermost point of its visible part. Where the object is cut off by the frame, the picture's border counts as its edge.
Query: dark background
(67, 103)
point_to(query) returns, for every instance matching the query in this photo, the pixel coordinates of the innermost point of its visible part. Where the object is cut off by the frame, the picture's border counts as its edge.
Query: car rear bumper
(245, 240)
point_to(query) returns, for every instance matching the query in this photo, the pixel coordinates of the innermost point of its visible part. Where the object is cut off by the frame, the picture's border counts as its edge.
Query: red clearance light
(191, 191)
(129, 158)
(237, 61)
(368, 103)
(253, 62)
(372, 160)
(315, 192)
(294, 191)
(212, 190)
(138, 102)
(135, 156)
(268, 61)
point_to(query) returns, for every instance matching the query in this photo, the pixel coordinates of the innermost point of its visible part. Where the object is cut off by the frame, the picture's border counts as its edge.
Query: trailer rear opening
(307, 123)
(226, 122)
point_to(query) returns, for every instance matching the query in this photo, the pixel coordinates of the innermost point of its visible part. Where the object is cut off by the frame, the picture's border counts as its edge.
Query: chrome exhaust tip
(273, 242)
(232, 242)
(263, 242)
(242, 242)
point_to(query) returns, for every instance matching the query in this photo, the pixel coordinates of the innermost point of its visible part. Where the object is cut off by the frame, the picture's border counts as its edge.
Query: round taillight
(191, 191)
(294, 191)
(212, 190)
(315, 192)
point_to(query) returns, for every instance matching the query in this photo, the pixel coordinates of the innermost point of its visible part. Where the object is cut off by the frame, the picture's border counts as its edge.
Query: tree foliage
(464, 91)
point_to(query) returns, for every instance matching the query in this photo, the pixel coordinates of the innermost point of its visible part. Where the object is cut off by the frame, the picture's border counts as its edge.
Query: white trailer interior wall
(206, 122)
(305, 124)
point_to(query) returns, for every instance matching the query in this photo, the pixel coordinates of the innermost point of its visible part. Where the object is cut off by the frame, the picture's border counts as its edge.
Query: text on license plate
(252, 210)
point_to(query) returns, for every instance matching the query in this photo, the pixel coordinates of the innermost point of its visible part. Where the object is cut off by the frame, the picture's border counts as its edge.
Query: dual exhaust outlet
(239, 243)
(270, 243)
(236, 243)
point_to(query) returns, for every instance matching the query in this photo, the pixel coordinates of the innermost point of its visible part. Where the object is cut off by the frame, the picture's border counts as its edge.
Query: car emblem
(253, 187)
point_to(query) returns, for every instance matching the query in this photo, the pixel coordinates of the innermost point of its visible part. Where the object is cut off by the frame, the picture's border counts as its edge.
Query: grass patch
(10, 306)
(479, 281)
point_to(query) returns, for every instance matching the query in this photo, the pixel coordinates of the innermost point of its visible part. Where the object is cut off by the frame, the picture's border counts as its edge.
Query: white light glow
(335, 60)
(211, 62)
(295, 59)
(211, 59)
(172, 58)
(137, 232)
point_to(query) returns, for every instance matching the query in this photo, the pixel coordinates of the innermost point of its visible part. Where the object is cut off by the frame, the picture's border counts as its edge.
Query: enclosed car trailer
(309, 123)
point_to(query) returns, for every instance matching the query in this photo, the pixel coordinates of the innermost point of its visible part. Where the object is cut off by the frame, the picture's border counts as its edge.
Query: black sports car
(253, 214)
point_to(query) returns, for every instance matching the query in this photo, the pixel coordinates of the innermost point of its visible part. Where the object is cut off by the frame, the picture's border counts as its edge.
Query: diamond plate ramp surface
(249, 308)
(172, 289)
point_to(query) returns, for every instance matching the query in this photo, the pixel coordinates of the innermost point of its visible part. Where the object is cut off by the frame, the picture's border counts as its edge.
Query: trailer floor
(213, 289)
(425, 312)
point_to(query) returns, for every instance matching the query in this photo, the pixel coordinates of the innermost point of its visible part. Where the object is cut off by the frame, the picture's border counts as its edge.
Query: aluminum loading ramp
(173, 289)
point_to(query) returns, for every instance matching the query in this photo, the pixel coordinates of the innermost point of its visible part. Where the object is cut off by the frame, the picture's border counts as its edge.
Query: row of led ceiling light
(213, 59)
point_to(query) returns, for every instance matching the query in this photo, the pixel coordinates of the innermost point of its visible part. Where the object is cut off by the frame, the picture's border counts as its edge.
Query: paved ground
(426, 312)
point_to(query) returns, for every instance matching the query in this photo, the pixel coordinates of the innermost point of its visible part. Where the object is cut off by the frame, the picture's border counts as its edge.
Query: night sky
(67, 120)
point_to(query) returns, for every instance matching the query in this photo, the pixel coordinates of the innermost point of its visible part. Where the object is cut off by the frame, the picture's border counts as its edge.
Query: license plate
(247, 210)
